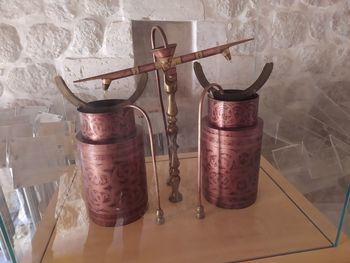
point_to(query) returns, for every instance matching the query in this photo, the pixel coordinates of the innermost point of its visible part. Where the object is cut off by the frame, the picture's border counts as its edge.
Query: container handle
(159, 212)
(200, 214)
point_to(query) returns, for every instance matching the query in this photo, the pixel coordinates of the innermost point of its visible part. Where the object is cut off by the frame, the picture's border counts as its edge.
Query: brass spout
(106, 83)
(227, 54)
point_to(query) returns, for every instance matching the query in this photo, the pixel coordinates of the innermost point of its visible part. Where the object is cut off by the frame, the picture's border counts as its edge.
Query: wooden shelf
(281, 222)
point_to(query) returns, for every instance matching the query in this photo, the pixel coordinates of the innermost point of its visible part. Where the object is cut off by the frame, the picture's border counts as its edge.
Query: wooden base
(273, 226)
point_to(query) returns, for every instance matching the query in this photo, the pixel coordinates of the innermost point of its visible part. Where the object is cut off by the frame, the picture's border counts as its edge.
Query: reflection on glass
(35, 160)
(320, 174)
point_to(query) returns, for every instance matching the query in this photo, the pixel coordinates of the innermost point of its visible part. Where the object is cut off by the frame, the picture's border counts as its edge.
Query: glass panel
(319, 173)
(31, 111)
(64, 134)
(6, 252)
(35, 160)
(37, 170)
(6, 114)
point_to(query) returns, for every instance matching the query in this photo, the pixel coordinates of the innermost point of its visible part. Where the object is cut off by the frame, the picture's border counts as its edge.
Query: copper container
(112, 164)
(233, 114)
(114, 177)
(231, 148)
(101, 126)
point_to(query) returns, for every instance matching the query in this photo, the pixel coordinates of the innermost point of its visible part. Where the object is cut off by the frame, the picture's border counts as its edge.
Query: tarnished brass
(159, 88)
(165, 63)
(200, 214)
(160, 216)
(106, 83)
(170, 86)
(175, 61)
(226, 53)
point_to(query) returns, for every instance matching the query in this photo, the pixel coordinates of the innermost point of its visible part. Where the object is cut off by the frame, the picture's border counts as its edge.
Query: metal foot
(200, 214)
(160, 217)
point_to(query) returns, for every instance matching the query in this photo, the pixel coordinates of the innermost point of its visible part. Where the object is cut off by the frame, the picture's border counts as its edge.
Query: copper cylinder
(114, 178)
(227, 114)
(230, 164)
(101, 125)
(112, 163)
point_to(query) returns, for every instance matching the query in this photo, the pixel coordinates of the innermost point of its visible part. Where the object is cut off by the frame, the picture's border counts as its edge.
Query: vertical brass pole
(164, 57)
(170, 86)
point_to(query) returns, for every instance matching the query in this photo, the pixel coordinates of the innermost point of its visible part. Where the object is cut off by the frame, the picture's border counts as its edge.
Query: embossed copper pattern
(114, 179)
(230, 164)
(106, 126)
(233, 114)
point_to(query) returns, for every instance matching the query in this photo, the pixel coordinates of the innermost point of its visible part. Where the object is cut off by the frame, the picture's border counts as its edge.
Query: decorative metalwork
(112, 158)
(163, 59)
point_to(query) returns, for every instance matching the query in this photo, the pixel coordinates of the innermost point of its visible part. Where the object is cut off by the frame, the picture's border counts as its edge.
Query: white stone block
(250, 29)
(282, 67)
(210, 34)
(61, 10)
(315, 59)
(18, 8)
(88, 37)
(341, 23)
(118, 39)
(320, 3)
(78, 68)
(47, 41)
(10, 44)
(179, 10)
(32, 81)
(284, 3)
(288, 29)
(102, 8)
(1, 89)
(237, 74)
(341, 68)
(319, 25)
(224, 9)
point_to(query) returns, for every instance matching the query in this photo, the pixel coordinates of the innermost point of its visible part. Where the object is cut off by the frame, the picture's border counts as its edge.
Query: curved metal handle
(162, 34)
(159, 213)
(198, 70)
(260, 81)
(239, 94)
(67, 93)
(200, 214)
(153, 44)
(77, 102)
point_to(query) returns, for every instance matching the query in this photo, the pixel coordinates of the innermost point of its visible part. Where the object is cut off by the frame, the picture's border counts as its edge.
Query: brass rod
(175, 61)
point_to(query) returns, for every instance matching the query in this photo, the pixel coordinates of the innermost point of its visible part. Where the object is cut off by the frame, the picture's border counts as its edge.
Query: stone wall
(307, 39)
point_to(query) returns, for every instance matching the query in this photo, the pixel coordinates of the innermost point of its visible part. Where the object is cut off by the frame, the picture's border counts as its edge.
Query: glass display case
(301, 207)
(304, 175)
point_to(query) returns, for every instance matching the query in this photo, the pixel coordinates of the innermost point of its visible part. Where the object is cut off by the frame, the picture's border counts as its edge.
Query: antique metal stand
(164, 60)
